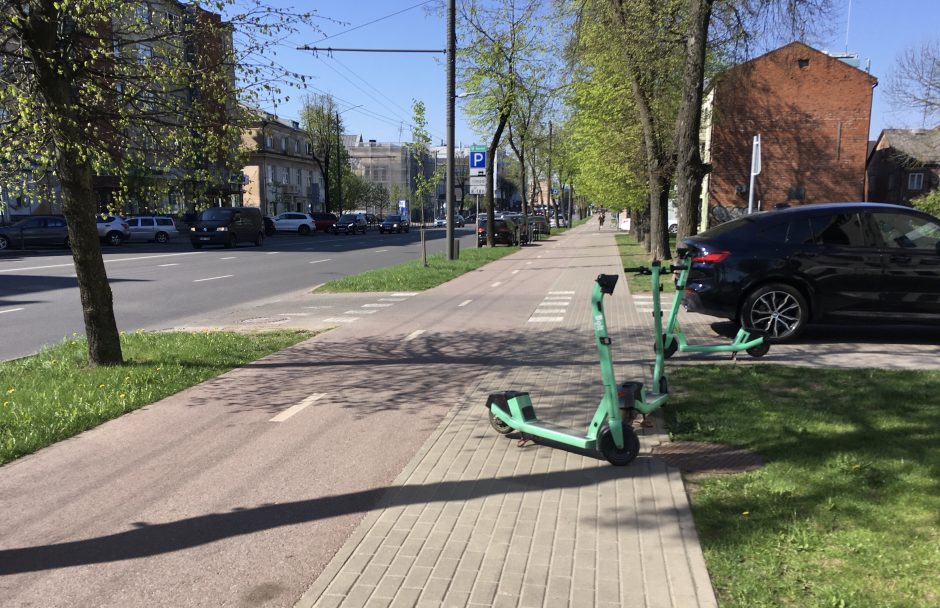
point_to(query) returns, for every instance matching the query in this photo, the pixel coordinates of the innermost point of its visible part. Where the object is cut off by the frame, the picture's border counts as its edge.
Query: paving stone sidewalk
(475, 520)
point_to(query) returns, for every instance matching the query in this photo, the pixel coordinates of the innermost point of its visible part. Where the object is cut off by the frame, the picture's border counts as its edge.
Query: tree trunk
(60, 90)
(691, 170)
(104, 340)
(490, 168)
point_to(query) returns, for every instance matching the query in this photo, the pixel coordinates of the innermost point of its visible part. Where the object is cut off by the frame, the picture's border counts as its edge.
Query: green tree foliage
(320, 119)
(929, 202)
(144, 92)
(425, 182)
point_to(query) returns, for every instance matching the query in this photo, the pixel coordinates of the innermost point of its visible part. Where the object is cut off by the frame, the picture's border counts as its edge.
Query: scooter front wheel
(501, 427)
(619, 456)
(759, 351)
(670, 350)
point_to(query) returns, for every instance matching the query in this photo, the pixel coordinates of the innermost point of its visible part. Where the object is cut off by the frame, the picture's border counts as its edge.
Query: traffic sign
(477, 161)
(477, 180)
(477, 190)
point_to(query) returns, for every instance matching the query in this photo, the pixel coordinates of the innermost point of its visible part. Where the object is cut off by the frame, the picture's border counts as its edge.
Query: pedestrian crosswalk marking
(546, 319)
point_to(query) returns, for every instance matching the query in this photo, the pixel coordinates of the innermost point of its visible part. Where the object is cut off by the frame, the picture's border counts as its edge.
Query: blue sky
(384, 85)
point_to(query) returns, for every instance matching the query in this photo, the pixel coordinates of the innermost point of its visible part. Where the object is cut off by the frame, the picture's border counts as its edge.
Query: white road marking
(231, 257)
(11, 310)
(293, 314)
(391, 299)
(321, 261)
(360, 312)
(319, 307)
(380, 251)
(413, 335)
(273, 252)
(515, 272)
(145, 257)
(376, 305)
(528, 262)
(496, 284)
(296, 408)
(167, 265)
(464, 303)
(405, 294)
(546, 319)
(552, 293)
(549, 311)
(557, 299)
(224, 276)
(340, 319)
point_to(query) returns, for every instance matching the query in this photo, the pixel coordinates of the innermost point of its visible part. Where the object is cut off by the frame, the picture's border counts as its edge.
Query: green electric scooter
(610, 432)
(674, 339)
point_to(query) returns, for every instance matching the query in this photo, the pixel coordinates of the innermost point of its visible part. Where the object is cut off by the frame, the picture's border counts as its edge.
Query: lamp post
(451, 99)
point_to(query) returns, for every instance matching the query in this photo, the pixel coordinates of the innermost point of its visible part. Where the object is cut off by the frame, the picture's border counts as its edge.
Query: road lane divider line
(272, 252)
(360, 312)
(297, 407)
(224, 276)
(340, 319)
(515, 272)
(376, 305)
(496, 284)
(167, 265)
(380, 251)
(546, 319)
(11, 310)
(320, 262)
(70, 264)
(559, 293)
(405, 294)
(464, 303)
(391, 299)
(413, 335)
(550, 311)
(231, 257)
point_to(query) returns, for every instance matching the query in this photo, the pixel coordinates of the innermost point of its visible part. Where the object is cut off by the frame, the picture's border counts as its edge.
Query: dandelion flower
(746, 514)
(856, 467)
(11, 390)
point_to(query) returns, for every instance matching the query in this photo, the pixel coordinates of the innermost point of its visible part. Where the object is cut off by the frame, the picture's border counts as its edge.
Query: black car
(35, 231)
(350, 223)
(506, 232)
(394, 223)
(776, 271)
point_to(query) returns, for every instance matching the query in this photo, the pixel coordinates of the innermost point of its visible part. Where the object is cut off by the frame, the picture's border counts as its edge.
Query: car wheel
(501, 427)
(259, 240)
(5, 242)
(776, 311)
(304, 230)
(114, 238)
(614, 455)
(161, 237)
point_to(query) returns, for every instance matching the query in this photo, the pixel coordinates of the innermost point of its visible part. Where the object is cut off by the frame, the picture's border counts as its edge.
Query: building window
(297, 176)
(270, 173)
(309, 148)
(803, 63)
(297, 146)
(796, 193)
(284, 144)
(915, 181)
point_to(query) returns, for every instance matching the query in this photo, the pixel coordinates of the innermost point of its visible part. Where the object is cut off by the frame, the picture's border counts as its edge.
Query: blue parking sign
(477, 160)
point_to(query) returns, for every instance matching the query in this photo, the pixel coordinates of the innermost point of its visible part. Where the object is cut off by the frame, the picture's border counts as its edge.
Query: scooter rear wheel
(760, 350)
(617, 456)
(670, 350)
(501, 427)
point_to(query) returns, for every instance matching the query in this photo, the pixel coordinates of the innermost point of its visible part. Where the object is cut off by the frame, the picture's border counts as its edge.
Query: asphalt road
(163, 286)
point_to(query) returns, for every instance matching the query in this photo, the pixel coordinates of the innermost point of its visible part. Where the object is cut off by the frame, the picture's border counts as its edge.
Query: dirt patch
(708, 458)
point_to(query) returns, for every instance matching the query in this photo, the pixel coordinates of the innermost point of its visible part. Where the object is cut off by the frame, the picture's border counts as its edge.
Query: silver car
(113, 230)
(152, 228)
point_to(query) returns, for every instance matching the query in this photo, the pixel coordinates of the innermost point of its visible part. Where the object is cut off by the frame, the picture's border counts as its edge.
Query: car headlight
(192, 229)
(221, 229)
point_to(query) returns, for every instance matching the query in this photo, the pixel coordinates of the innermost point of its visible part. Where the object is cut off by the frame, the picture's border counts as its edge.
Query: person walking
(600, 221)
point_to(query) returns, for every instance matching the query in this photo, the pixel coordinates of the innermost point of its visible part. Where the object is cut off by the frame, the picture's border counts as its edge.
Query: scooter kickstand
(523, 441)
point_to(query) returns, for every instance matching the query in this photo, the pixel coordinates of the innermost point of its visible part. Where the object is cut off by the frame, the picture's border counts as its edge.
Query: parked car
(540, 225)
(112, 229)
(459, 222)
(774, 272)
(35, 231)
(351, 223)
(505, 232)
(228, 226)
(394, 223)
(269, 228)
(301, 223)
(324, 221)
(155, 228)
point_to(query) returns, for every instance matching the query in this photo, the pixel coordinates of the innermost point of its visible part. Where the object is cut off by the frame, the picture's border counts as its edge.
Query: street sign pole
(476, 231)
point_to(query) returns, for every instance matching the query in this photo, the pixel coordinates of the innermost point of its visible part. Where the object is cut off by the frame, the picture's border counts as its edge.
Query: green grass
(412, 276)
(55, 394)
(845, 511)
(632, 254)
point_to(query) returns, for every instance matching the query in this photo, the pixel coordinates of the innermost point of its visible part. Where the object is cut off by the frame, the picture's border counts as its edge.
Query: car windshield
(216, 214)
(348, 218)
(392, 218)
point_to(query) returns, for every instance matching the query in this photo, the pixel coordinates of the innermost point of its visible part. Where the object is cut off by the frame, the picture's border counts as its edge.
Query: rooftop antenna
(848, 21)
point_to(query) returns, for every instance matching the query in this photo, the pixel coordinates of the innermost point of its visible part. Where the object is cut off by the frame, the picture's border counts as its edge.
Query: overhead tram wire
(352, 29)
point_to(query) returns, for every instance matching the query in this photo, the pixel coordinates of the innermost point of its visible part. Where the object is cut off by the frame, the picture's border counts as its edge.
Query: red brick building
(903, 164)
(812, 112)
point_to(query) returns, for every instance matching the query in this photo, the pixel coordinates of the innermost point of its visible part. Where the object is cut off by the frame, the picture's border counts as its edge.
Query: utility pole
(550, 201)
(451, 98)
